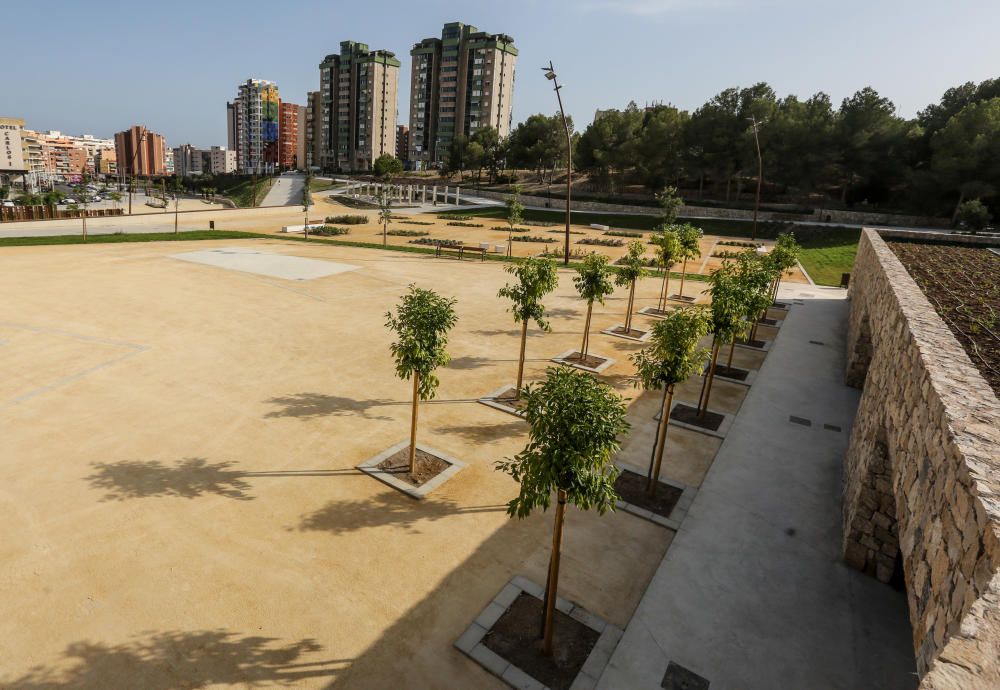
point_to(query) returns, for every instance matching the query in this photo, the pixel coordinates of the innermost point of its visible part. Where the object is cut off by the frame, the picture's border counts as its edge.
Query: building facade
(460, 83)
(189, 161)
(288, 135)
(313, 131)
(357, 107)
(253, 126)
(11, 146)
(403, 143)
(141, 153)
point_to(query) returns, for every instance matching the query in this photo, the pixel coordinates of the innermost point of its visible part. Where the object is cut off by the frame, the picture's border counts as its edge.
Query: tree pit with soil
(425, 468)
(631, 487)
(516, 638)
(689, 415)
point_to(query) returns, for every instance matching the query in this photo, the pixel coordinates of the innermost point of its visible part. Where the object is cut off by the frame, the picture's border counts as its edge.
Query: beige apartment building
(460, 83)
(141, 153)
(357, 110)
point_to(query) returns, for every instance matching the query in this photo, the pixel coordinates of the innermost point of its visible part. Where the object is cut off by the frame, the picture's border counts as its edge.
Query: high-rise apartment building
(189, 161)
(313, 130)
(460, 83)
(357, 106)
(140, 153)
(253, 124)
(288, 135)
(403, 143)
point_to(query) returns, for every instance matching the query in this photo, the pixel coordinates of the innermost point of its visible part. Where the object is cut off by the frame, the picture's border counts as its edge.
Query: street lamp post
(550, 74)
(760, 173)
(131, 169)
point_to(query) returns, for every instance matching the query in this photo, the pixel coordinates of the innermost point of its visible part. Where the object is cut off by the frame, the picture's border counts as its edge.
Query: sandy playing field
(178, 452)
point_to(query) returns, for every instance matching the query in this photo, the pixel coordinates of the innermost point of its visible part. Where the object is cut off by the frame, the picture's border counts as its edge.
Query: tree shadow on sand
(482, 433)
(315, 405)
(388, 508)
(189, 478)
(174, 660)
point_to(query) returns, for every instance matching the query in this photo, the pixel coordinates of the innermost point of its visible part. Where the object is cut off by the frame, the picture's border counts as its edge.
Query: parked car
(68, 201)
(7, 203)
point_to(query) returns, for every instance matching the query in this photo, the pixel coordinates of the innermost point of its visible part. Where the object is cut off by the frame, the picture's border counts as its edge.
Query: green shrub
(329, 231)
(456, 216)
(504, 228)
(533, 238)
(416, 222)
(460, 224)
(407, 233)
(601, 242)
(623, 233)
(347, 220)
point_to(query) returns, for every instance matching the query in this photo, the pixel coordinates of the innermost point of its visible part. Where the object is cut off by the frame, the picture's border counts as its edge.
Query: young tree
(671, 358)
(689, 237)
(386, 167)
(784, 256)
(116, 198)
(593, 283)
(421, 323)
(575, 422)
(535, 279)
(670, 203)
(631, 269)
(385, 215)
(756, 275)
(515, 215)
(668, 250)
(306, 203)
(728, 309)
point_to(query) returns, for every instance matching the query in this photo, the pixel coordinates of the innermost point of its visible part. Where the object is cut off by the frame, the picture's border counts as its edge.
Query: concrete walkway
(286, 190)
(753, 592)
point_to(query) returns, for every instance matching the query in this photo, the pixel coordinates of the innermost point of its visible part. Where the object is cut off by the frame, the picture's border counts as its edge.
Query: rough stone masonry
(922, 472)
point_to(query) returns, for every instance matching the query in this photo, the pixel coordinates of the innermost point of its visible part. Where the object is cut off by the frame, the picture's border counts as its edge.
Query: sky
(99, 66)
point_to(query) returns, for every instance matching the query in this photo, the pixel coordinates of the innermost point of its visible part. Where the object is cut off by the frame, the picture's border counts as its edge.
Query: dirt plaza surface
(179, 453)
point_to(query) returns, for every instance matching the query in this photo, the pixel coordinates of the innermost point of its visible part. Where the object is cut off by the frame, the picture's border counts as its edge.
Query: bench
(461, 250)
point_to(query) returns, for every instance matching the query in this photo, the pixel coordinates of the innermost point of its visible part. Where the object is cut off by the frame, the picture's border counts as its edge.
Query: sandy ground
(178, 452)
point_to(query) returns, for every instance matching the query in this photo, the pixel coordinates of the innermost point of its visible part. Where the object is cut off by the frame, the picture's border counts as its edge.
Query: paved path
(753, 592)
(286, 190)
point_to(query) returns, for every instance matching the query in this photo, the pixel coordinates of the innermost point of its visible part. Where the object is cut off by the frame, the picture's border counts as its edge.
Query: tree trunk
(732, 348)
(711, 375)
(413, 421)
(552, 591)
(520, 362)
(661, 441)
(961, 199)
(664, 290)
(684, 271)
(631, 304)
(586, 331)
(385, 235)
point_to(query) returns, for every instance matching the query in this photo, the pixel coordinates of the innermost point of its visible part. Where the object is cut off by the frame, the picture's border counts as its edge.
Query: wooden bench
(461, 250)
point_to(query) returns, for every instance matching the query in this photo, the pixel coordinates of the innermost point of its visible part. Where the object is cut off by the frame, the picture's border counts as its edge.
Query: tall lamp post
(760, 172)
(550, 74)
(131, 169)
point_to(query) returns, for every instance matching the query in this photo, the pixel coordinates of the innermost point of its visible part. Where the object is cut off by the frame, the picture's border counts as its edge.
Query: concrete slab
(265, 263)
(753, 592)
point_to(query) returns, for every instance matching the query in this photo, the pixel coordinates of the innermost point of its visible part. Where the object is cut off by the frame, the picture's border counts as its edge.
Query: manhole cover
(679, 678)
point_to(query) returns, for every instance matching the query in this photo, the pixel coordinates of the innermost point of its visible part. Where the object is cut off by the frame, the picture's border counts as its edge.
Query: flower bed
(601, 242)
(437, 242)
(407, 233)
(504, 228)
(462, 224)
(416, 222)
(623, 233)
(347, 220)
(533, 238)
(329, 231)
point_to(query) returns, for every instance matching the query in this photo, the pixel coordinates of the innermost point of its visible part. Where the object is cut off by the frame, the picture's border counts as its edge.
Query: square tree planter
(715, 423)
(501, 399)
(635, 335)
(668, 509)
(655, 312)
(592, 365)
(395, 478)
(502, 625)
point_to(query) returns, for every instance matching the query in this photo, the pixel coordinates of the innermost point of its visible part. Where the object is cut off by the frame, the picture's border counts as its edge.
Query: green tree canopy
(536, 277)
(670, 204)
(632, 266)
(974, 215)
(673, 354)
(387, 166)
(593, 279)
(421, 323)
(575, 423)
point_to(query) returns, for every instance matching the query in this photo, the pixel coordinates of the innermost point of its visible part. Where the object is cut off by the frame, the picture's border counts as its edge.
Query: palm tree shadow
(170, 660)
(315, 405)
(189, 478)
(387, 508)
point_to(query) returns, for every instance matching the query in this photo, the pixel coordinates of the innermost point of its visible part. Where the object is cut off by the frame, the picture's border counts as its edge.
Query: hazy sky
(102, 65)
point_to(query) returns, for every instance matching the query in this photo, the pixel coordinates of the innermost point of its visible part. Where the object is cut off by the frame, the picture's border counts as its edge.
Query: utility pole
(760, 174)
(131, 169)
(550, 74)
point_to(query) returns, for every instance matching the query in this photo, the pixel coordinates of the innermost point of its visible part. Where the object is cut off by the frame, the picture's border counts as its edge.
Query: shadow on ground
(388, 508)
(189, 478)
(314, 405)
(172, 660)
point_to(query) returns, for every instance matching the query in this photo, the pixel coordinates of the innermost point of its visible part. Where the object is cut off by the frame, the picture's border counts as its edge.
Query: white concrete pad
(265, 263)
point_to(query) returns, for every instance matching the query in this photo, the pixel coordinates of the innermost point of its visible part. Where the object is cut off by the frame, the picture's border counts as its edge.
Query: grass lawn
(317, 185)
(826, 257)
(240, 190)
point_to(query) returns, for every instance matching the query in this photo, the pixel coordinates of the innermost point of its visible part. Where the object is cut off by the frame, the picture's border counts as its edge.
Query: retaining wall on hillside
(922, 472)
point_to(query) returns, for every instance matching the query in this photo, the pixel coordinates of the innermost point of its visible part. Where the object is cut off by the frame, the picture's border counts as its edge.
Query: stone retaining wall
(922, 472)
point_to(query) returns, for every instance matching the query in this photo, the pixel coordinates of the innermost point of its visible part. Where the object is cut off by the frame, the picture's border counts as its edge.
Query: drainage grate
(832, 427)
(816, 342)
(799, 420)
(679, 678)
